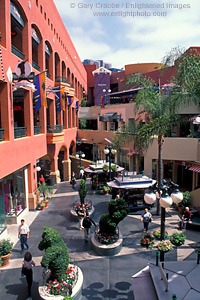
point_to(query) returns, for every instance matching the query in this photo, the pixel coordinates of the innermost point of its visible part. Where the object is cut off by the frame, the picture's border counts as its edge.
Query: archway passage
(62, 157)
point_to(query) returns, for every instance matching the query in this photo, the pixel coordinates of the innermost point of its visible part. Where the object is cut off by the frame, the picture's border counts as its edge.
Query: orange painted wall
(17, 153)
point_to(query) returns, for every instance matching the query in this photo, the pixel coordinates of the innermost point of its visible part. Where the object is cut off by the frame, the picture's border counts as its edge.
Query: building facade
(181, 151)
(35, 142)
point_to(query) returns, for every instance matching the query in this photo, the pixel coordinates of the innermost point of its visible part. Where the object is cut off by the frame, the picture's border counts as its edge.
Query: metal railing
(48, 75)
(35, 66)
(17, 52)
(54, 128)
(1, 134)
(20, 132)
(37, 129)
(59, 78)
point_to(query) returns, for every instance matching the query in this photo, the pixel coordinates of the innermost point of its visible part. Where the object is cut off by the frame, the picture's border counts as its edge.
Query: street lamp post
(80, 155)
(108, 150)
(106, 90)
(167, 194)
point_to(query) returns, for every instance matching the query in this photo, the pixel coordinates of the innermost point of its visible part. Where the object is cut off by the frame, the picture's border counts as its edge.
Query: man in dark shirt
(186, 217)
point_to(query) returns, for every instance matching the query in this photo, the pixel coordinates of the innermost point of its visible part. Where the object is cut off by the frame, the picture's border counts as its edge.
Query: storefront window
(2, 210)
(14, 193)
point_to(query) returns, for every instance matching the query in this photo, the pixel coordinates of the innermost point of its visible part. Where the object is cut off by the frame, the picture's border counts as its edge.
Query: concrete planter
(106, 250)
(5, 260)
(74, 214)
(76, 291)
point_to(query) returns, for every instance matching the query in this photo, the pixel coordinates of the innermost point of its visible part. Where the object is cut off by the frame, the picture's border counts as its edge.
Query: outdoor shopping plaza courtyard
(104, 277)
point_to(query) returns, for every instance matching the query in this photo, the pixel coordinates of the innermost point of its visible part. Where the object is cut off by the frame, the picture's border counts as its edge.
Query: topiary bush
(56, 257)
(82, 190)
(117, 211)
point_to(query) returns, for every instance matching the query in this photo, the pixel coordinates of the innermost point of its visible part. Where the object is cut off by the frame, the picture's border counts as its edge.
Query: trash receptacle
(51, 181)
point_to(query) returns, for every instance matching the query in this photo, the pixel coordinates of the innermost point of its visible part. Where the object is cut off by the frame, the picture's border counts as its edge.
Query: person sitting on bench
(186, 218)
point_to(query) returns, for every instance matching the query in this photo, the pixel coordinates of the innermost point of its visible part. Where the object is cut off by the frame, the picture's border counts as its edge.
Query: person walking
(87, 223)
(81, 212)
(146, 217)
(73, 180)
(23, 234)
(27, 270)
(81, 173)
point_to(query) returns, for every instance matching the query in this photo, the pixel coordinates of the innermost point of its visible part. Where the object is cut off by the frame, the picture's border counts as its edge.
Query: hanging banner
(39, 95)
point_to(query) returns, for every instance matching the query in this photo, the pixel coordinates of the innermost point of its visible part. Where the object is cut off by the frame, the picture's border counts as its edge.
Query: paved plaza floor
(104, 277)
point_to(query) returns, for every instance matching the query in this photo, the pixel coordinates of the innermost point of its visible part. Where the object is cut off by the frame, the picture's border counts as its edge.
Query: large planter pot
(5, 260)
(106, 250)
(76, 291)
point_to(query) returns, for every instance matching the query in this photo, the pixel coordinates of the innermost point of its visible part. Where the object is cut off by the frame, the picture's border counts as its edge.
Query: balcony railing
(35, 66)
(61, 79)
(17, 52)
(54, 128)
(48, 75)
(37, 129)
(1, 134)
(19, 132)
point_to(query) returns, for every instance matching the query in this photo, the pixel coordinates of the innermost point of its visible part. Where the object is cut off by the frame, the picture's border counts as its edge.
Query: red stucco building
(33, 31)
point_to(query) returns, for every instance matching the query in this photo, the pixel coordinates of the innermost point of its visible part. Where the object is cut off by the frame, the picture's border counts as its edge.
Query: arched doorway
(62, 156)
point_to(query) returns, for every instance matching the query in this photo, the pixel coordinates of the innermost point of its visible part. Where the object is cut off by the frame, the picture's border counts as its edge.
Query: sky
(123, 32)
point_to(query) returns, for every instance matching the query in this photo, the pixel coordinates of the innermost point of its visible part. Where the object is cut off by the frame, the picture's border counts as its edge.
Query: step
(143, 287)
(178, 284)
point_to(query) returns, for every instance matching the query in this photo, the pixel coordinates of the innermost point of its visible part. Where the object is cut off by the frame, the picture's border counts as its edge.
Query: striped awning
(195, 169)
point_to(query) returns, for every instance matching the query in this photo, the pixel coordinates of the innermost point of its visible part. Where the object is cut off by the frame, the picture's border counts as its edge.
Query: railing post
(157, 258)
(198, 257)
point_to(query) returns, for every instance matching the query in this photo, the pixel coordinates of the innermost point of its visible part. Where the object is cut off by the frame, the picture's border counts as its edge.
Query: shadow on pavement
(95, 291)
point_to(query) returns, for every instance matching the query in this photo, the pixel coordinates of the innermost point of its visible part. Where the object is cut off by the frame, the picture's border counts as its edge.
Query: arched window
(17, 25)
(48, 53)
(35, 48)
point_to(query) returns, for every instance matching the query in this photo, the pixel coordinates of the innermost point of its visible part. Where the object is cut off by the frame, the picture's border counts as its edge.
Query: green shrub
(82, 190)
(56, 257)
(187, 198)
(105, 168)
(68, 298)
(5, 247)
(177, 239)
(117, 211)
(106, 188)
(44, 189)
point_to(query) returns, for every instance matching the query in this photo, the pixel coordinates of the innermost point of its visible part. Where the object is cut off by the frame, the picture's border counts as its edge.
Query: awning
(108, 117)
(195, 169)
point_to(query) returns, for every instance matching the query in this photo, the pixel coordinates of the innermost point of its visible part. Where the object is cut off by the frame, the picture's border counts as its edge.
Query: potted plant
(45, 190)
(5, 251)
(177, 239)
(105, 168)
(82, 190)
(106, 189)
(147, 241)
(165, 246)
(41, 205)
(157, 234)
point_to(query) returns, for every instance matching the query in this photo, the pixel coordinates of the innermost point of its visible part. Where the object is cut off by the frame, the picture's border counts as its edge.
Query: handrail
(19, 132)
(59, 78)
(37, 129)
(1, 134)
(54, 128)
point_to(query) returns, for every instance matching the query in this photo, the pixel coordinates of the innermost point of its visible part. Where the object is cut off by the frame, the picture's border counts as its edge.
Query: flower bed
(77, 204)
(177, 239)
(105, 238)
(63, 288)
(165, 246)
(147, 241)
(157, 234)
